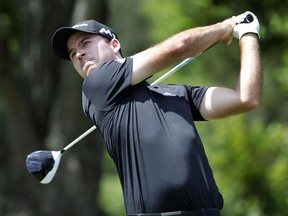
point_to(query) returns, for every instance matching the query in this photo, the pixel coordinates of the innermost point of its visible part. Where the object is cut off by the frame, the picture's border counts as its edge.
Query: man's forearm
(251, 76)
(179, 47)
(196, 40)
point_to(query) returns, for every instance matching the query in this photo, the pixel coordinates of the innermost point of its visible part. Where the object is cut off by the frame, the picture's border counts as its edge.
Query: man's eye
(85, 43)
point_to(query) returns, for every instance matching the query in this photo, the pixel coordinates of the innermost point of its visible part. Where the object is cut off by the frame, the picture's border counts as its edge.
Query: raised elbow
(251, 104)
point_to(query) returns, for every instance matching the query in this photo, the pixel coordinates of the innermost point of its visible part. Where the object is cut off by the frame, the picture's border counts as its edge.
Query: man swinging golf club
(149, 130)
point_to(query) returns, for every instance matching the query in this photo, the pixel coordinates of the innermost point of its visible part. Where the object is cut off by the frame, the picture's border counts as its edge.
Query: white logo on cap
(107, 31)
(79, 25)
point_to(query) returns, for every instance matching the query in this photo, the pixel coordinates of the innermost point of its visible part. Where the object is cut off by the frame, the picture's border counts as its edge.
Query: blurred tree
(41, 109)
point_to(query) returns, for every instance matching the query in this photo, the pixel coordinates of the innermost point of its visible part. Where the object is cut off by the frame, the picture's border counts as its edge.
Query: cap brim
(59, 41)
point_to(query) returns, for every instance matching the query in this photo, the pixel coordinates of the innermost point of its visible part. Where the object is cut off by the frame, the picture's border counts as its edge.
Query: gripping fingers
(246, 23)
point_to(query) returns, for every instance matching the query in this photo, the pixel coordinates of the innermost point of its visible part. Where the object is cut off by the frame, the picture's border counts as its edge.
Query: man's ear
(115, 44)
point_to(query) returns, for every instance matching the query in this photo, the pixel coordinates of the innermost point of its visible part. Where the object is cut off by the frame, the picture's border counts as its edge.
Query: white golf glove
(246, 23)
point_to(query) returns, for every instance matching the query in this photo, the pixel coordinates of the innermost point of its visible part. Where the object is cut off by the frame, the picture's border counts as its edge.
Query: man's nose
(80, 55)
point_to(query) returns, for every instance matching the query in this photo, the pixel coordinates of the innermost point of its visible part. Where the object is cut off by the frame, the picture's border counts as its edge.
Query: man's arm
(222, 102)
(179, 47)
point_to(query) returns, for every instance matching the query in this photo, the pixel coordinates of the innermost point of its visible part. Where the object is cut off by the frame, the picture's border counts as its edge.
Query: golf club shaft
(170, 72)
(174, 69)
(78, 139)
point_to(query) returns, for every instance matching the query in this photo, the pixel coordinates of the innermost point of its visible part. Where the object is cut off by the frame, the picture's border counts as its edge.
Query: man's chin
(87, 68)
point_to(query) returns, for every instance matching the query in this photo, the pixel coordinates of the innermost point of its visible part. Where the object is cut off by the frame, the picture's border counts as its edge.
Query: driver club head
(43, 164)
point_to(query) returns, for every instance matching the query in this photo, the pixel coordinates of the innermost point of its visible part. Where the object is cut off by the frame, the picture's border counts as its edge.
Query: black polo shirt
(150, 134)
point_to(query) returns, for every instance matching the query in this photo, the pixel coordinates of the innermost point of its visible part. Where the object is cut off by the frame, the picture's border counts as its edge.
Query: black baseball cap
(61, 36)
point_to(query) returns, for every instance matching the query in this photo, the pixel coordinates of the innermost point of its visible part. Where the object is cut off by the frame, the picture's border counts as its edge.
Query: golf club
(43, 164)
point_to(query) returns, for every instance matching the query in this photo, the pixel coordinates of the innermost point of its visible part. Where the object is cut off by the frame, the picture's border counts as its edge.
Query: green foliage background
(249, 153)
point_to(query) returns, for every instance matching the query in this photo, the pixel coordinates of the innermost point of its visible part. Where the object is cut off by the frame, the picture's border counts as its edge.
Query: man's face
(86, 51)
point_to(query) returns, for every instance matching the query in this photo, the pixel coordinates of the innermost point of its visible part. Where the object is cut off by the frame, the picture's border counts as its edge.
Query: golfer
(149, 131)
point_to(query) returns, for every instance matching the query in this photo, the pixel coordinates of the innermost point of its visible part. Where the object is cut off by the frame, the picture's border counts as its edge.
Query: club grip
(248, 19)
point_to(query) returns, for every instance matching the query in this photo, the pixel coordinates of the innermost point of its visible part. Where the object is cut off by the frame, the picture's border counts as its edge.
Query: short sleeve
(196, 95)
(108, 83)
